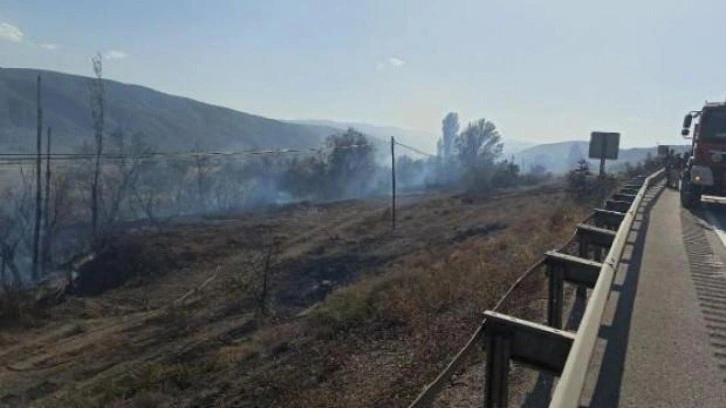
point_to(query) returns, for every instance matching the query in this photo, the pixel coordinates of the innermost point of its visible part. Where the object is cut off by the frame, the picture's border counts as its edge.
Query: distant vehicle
(705, 168)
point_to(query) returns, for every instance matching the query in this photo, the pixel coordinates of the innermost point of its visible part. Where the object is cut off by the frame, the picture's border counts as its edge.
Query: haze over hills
(174, 123)
(563, 156)
(169, 122)
(420, 139)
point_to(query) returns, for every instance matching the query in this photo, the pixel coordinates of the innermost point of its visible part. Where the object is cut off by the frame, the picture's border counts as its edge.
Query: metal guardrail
(428, 395)
(569, 389)
(547, 347)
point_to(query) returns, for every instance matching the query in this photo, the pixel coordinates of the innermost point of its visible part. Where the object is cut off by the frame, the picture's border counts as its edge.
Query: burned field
(300, 305)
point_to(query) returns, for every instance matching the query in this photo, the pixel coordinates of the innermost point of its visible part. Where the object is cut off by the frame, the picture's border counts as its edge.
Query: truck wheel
(690, 194)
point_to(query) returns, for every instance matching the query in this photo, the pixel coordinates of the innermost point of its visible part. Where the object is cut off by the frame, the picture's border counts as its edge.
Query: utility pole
(602, 158)
(98, 107)
(45, 248)
(38, 213)
(393, 183)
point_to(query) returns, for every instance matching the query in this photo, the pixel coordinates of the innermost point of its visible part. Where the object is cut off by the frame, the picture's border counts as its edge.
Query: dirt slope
(361, 316)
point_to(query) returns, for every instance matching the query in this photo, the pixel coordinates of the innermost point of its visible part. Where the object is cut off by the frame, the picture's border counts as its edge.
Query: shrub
(18, 307)
(584, 187)
(344, 310)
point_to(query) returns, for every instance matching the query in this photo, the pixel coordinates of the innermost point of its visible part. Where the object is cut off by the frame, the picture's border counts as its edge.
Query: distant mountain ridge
(171, 123)
(174, 123)
(562, 157)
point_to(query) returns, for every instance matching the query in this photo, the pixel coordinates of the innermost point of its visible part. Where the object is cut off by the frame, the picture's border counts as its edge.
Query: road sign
(604, 145)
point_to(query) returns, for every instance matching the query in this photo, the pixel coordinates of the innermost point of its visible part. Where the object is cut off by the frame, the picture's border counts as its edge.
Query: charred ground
(358, 315)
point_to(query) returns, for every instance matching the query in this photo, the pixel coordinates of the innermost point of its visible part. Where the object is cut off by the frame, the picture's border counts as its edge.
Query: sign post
(663, 150)
(604, 146)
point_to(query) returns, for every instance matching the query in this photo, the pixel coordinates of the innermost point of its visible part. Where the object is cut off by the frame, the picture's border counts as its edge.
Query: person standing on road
(678, 166)
(670, 166)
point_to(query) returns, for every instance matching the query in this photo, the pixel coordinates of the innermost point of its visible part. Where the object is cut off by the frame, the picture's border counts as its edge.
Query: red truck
(705, 168)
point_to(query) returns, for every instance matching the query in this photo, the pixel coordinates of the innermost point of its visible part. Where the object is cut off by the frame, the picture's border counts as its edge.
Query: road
(663, 339)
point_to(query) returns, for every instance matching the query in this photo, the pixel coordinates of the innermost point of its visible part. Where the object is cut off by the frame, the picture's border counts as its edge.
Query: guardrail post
(555, 300)
(583, 252)
(597, 251)
(496, 386)
(608, 219)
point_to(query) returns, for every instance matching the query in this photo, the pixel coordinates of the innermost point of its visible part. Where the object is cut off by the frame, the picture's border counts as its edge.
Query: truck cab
(705, 170)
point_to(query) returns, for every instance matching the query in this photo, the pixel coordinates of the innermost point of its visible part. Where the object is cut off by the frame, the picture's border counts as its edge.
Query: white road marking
(717, 228)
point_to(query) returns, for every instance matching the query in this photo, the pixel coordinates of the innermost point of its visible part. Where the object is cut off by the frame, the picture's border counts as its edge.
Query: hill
(514, 147)
(358, 314)
(563, 156)
(169, 122)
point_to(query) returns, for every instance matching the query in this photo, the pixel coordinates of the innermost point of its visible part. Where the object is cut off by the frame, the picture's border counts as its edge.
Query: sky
(542, 71)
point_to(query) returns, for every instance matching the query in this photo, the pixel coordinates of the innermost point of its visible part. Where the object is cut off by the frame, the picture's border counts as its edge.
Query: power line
(118, 156)
(415, 150)
(22, 157)
(18, 159)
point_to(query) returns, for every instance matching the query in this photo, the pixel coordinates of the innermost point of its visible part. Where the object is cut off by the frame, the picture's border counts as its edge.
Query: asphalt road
(663, 339)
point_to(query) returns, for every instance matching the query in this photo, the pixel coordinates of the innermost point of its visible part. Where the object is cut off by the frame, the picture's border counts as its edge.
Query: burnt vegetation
(118, 181)
(258, 278)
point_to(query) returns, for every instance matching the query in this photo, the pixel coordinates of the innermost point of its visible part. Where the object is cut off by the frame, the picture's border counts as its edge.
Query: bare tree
(152, 189)
(147, 196)
(58, 213)
(15, 227)
(228, 185)
(98, 102)
(177, 173)
(202, 170)
(255, 274)
(9, 240)
(124, 175)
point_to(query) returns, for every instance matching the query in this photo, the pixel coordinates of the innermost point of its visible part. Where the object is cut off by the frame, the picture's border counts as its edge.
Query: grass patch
(77, 328)
(19, 308)
(146, 386)
(345, 310)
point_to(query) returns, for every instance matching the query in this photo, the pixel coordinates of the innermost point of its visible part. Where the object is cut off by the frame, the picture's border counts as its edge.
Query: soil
(164, 322)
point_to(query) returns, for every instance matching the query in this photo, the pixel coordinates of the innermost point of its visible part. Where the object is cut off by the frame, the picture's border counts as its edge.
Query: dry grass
(149, 386)
(403, 304)
(424, 310)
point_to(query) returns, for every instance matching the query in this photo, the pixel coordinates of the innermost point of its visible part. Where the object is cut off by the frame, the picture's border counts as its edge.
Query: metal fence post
(554, 304)
(496, 385)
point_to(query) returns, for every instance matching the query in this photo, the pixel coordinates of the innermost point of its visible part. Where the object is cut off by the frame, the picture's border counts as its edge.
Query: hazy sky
(541, 70)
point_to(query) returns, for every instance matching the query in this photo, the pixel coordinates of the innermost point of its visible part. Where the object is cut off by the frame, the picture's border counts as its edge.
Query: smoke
(147, 190)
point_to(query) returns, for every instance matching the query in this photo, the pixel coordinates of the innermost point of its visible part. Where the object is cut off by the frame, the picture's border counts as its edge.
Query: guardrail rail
(548, 347)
